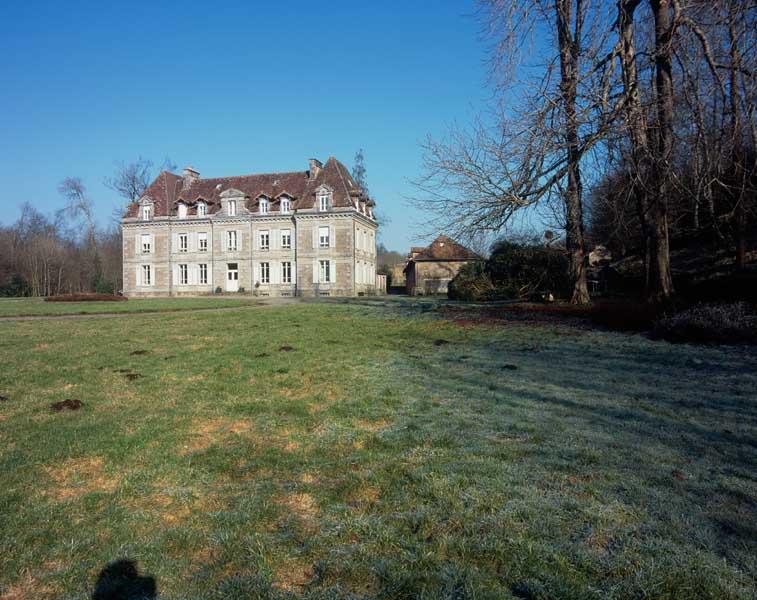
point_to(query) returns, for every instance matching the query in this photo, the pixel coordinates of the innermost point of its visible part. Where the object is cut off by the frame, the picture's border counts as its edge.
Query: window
(286, 238)
(324, 199)
(146, 275)
(202, 209)
(264, 240)
(232, 208)
(203, 274)
(182, 210)
(231, 240)
(286, 272)
(286, 205)
(202, 242)
(325, 271)
(263, 206)
(146, 213)
(146, 243)
(183, 274)
(323, 237)
(183, 242)
(265, 273)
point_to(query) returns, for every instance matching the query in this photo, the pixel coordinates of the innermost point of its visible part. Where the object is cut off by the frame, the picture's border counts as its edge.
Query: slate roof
(168, 189)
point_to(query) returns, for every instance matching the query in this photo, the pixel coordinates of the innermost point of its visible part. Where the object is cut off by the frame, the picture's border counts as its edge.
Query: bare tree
(130, 180)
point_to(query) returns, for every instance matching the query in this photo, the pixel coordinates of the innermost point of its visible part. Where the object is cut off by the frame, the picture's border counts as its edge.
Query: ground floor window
(203, 274)
(325, 271)
(265, 273)
(146, 275)
(286, 272)
(183, 274)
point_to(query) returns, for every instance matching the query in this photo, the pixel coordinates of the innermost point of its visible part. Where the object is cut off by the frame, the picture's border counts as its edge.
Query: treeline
(47, 256)
(630, 123)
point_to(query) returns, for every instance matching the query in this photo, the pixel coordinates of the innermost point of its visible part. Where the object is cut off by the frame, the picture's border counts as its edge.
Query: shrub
(513, 271)
(86, 298)
(241, 290)
(625, 315)
(709, 323)
(219, 290)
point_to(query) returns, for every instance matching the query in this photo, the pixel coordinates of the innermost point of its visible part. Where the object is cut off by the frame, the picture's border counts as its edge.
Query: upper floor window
(323, 237)
(231, 240)
(286, 238)
(264, 240)
(324, 200)
(232, 208)
(146, 213)
(146, 243)
(202, 242)
(286, 205)
(182, 210)
(183, 242)
(202, 209)
(263, 207)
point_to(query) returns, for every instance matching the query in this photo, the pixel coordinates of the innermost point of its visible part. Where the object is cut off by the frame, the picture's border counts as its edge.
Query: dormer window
(182, 210)
(324, 200)
(263, 206)
(232, 208)
(146, 213)
(286, 205)
(202, 209)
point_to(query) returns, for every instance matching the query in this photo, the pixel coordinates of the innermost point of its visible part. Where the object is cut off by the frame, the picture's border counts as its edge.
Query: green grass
(23, 307)
(373, 460)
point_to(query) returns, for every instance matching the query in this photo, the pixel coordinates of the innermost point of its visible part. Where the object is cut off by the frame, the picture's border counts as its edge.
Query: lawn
(353, 450)
(19, 307)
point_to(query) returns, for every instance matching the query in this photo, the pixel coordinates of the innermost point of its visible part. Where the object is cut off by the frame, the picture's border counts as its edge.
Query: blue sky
(230, 88)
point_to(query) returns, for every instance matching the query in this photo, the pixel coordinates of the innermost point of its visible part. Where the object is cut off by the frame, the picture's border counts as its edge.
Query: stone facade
(288, 234)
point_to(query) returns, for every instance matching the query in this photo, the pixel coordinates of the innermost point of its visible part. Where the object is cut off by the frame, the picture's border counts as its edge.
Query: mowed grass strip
(30, 307)
(342, 451)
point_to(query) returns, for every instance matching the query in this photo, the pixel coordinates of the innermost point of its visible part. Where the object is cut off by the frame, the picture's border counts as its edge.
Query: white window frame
(146, 243)
(286, 206)
(232, 241)
(264, 269)
(324, 241)
(183, 242)
(202, 271)
(231, 208)
(324, 271)
(202, 209)
(263, 206)
(286, 271)
(183, 274)
(147, 275)
(324, 200)
(146, 212)
(286, 239)
(264, 239)
(202, 241)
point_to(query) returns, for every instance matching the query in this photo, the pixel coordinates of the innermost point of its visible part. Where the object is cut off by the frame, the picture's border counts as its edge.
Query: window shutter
(239, 241)
(274, 273)
(315, 236)
(153, 248)
(332, 269)
(139, 275)
(315, 271)
(293, 270)
(138, 245)
(332, 236)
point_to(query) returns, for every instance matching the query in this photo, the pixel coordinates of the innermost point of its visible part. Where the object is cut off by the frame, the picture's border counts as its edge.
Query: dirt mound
(66, 405)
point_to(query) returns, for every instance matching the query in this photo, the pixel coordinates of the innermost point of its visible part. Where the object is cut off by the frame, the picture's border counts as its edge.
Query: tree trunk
(662, 278)
(737, 186)
(569, 43)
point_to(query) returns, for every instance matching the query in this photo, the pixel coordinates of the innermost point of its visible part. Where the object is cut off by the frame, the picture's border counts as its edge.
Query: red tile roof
(444, 248)
(169, 188)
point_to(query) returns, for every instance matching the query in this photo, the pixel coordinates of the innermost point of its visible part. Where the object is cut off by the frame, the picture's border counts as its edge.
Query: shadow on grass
(120, 580)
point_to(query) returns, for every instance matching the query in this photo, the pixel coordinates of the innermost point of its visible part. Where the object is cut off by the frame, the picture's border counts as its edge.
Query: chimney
(189, 176)
(315, 168)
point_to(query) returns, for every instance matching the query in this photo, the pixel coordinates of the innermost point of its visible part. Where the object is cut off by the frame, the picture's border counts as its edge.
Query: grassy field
(362, 451)
(20, 307)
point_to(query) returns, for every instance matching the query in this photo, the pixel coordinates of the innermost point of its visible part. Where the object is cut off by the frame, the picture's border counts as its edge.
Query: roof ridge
(252, 175)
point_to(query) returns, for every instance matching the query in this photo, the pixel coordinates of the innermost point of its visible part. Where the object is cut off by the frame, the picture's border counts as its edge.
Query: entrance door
(232, 277)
